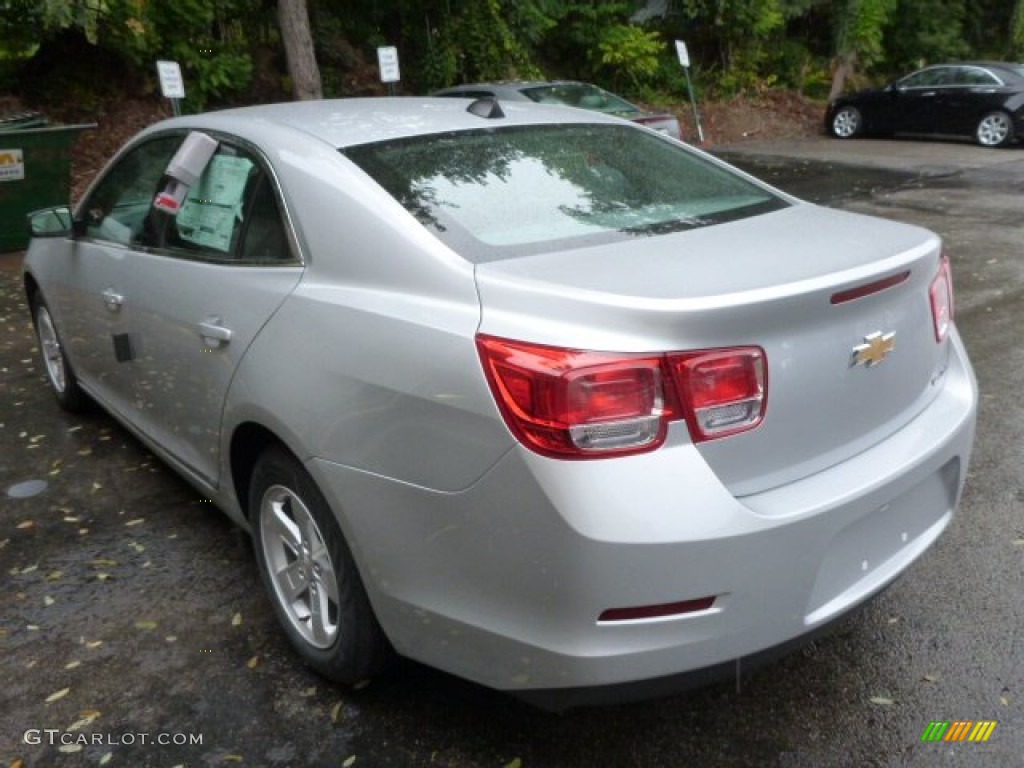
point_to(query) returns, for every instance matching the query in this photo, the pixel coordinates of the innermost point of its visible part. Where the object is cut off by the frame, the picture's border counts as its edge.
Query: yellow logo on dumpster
(12, 165)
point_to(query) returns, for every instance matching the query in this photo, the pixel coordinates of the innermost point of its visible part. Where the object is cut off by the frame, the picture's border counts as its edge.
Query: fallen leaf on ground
(146, 624)
(58, 695)
(881, 701)
(85, 719)
(253, 662)
(236, 620)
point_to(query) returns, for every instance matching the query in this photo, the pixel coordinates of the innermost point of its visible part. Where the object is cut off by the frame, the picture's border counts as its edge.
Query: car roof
(350, 122)
(1012, 68)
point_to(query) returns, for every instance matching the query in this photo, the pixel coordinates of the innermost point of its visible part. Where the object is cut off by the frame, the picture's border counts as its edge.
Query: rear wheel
(847, 123)
(310, 574)
(994, 129)
(58, 369)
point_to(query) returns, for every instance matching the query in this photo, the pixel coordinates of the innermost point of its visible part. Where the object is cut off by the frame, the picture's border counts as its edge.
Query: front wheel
(847, 123)
(310, 574)
(59, 372)
(994, 130)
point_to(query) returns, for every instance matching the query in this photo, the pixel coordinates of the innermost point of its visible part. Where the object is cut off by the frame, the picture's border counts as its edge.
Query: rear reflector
(657, 611)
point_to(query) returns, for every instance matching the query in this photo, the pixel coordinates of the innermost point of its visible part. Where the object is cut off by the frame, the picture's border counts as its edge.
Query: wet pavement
(134, 632)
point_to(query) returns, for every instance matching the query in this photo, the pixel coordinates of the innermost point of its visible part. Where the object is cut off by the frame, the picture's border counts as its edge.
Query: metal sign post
(684, 59)
(172, 84)
(387, 60)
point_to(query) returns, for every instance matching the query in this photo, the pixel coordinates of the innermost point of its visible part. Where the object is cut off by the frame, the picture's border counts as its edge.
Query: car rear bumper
(503, 583)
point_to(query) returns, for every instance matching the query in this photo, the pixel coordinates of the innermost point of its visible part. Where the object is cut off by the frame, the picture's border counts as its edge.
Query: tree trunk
(293, 17)
(844, 67)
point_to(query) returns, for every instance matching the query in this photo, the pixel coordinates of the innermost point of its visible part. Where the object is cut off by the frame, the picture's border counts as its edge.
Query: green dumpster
(35, 171)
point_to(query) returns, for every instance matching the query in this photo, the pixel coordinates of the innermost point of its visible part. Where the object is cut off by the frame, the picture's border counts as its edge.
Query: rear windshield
(581, 95)
(500, 193)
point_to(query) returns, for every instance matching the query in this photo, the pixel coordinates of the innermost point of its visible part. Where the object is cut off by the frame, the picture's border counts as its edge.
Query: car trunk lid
(839, 303)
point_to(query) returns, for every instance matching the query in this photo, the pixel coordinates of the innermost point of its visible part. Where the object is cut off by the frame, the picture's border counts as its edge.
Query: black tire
(309, 573)
(60, 374)
(846, 123)
(995, 129)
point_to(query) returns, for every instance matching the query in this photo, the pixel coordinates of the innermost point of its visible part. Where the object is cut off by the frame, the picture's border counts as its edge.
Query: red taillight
(570, 403)
(722, 390)
(941, 295)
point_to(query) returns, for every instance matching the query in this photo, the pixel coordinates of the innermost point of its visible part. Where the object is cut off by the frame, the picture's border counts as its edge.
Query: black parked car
(982, 100)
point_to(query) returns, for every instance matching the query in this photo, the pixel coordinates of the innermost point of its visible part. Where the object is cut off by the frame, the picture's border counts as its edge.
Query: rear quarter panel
(371, 362)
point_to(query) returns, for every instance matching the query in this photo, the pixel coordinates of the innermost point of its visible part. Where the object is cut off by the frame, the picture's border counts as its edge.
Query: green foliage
(736, 45)
(860, 28)
(206, 38)
(925, 32)
(1016, 46)
(448, 41)
(742, 34)
(629, 51)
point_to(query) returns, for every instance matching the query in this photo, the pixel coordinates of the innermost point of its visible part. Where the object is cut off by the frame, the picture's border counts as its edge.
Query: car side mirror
(51, 222)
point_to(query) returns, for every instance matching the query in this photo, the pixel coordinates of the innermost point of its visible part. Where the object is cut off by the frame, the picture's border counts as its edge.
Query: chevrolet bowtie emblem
(874, 350)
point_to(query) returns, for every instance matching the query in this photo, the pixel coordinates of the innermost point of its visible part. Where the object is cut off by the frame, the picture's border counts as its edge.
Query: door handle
(112, 300)
(213, 333)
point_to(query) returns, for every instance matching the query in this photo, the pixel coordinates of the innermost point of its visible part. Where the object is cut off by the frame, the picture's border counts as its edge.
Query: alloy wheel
(300, 567)
(53, 355)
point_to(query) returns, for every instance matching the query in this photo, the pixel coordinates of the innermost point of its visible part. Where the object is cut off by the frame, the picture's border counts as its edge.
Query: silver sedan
(537, 397)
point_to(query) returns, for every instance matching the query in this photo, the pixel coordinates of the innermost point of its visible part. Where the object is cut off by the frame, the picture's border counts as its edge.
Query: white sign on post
(172, 84)
(684, 59)
(684, 55)
(387, 59)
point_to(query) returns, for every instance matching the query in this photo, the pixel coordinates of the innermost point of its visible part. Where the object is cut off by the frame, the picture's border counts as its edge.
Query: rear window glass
(501, 193)
(581, 95)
